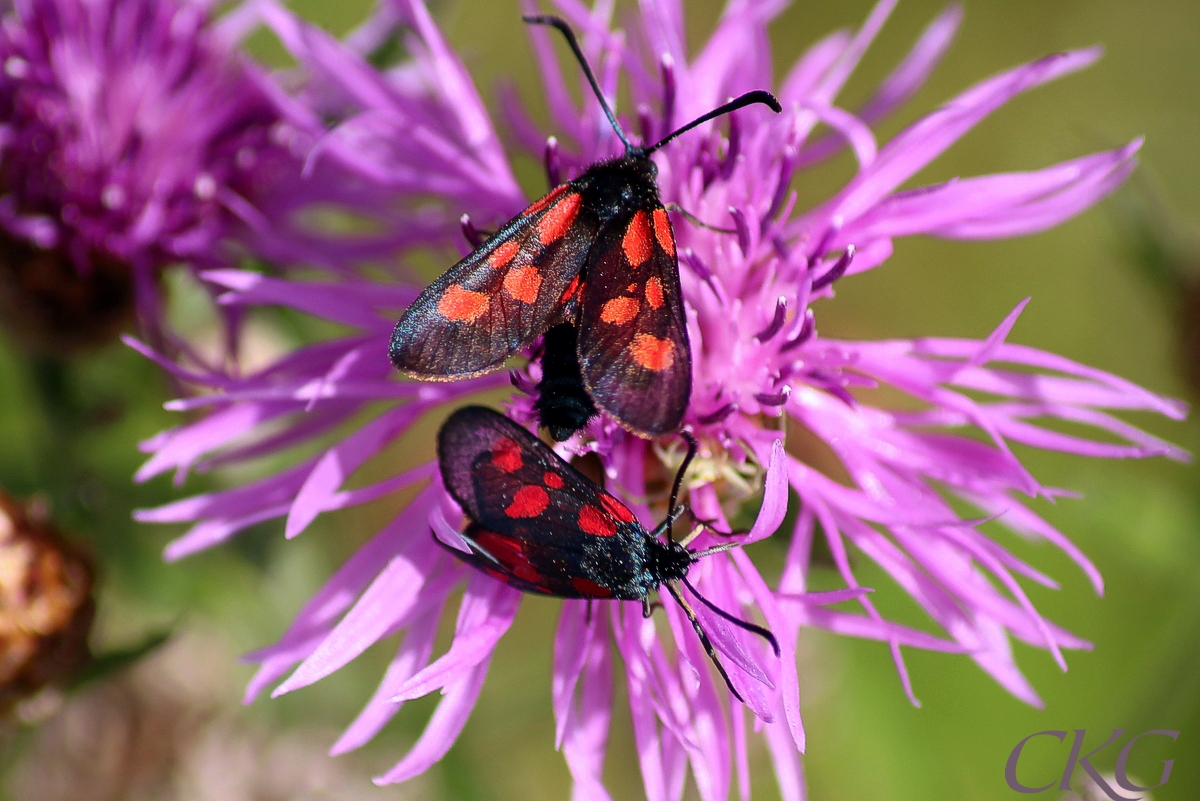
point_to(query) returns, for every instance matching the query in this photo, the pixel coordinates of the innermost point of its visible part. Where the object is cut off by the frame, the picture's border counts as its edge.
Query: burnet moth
(597, 252)
(541, 526)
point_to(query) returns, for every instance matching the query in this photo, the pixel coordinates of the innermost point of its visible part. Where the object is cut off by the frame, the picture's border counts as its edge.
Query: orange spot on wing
(636, 243)
(616, 509)
(506, 455)
(654, 293)
(556, 221)
(619, 311)
(663, 232)
(553, 480)
(503, 254)
(590, 588)
(529, 501)
(545, 200)
(462, 305)
(631, 288)
(595, 522)
(523, 283)
(651, 352)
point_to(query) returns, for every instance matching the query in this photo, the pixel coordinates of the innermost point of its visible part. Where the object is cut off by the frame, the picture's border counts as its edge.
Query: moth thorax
(622, 185)
(668, 561)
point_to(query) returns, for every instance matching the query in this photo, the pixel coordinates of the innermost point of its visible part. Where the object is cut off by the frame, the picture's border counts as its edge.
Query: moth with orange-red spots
(597, 252)
(539, 525)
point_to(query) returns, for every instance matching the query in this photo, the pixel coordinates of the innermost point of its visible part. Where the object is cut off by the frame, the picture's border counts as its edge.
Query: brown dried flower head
(46, 603)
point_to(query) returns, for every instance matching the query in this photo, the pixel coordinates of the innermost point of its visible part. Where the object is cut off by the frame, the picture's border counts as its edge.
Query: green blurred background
(1109, 289)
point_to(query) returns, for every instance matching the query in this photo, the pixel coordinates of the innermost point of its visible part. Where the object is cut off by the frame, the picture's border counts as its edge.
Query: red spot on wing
(570, 291)
(509, 552)
(596, 523)
(631, 288)
(663, 232)
(523, 570)
(556, 221)
(545, 200)
(502, 255)
(553, 480)
(654, 293)
(506, 455)
(651, 352)
(619, 311)
(462, 305)
(616, 508)
(523, 283)
(636, 243)
(590, 588)
(505, 549)
(528, 501)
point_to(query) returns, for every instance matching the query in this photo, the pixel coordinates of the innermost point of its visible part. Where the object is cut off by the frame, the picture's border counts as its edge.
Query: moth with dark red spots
(541, 526)
(597, 252)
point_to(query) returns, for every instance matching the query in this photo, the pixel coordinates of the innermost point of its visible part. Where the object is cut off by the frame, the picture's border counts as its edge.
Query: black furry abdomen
(563, 405)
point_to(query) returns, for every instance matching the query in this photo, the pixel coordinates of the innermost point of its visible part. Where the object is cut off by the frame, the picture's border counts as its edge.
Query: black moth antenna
(678, 483)
(565, 29)
(749, 98)
(674, 510)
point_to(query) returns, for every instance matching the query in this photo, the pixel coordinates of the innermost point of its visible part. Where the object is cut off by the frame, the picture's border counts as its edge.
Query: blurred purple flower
(420, 128)
(133, 136)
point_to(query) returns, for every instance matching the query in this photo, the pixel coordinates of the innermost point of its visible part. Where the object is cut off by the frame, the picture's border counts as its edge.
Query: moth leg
(691, 535)
(694, 220)
(649, 606)
(708, 526)
(704, 641)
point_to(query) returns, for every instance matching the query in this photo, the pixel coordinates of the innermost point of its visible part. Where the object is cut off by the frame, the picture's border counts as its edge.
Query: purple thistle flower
(134, 136)
(421, 128)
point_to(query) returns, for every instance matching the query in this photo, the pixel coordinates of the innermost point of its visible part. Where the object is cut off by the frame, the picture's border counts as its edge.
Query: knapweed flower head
(133, 136)
(760, 369)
